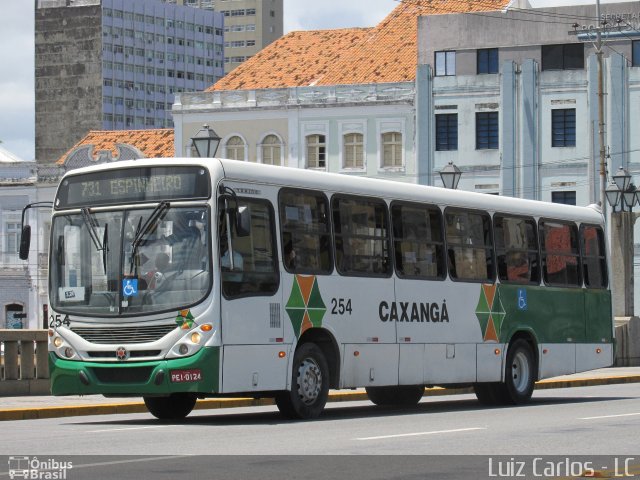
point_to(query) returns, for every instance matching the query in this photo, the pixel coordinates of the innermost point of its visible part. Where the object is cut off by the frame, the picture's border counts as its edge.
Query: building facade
(115, 65)
(249, 25)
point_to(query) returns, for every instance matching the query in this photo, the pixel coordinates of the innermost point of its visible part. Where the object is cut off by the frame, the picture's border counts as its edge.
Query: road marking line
(610, 416)
(421, 433)
(128, 428)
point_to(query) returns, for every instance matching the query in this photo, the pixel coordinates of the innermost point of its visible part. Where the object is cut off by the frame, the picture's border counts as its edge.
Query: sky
(17, 96)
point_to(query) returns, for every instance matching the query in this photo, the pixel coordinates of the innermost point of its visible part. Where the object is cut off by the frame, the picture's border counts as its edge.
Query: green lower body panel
(135, 378)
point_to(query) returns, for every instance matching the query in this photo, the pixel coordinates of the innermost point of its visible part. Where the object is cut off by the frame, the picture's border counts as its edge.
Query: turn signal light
(598, 350)
(497, 351)
(281, 354)
(207, 327)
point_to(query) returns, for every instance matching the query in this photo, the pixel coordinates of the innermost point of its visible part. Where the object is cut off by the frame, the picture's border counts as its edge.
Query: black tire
(309, 384)
(174, 407)
(401, 395)
(520, 373)
(488, 393)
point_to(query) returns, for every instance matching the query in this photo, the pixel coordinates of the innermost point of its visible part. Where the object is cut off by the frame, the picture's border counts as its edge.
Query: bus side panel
(556, 315)
(411, 369)
(556, 359)
(249, 368)
(368, 365)
(449, 363)
(598, 316)
(489, 360)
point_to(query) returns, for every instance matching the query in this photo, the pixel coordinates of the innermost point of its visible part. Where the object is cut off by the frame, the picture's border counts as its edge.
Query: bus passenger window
(306, 234)
(418, 242)
(560, 255)
(362, 236)
(516, 249)
(469, 244)
(594, 262)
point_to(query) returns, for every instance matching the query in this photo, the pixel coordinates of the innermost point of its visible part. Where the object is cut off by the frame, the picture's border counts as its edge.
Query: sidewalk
(47, 406)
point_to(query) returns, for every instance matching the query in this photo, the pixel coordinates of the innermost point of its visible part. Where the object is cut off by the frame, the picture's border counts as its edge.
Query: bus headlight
(183, 349)
(57, 342)
(68, 352)
(196, 337)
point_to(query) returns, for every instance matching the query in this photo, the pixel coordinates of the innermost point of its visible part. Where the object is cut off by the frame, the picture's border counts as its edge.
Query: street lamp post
(450, 176)
(623, 196)
(206, 142)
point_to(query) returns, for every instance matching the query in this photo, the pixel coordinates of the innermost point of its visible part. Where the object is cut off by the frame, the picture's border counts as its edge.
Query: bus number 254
(340, 306)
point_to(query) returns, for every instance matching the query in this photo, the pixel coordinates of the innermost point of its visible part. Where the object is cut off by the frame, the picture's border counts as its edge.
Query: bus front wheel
(174, 407)
(309, 384)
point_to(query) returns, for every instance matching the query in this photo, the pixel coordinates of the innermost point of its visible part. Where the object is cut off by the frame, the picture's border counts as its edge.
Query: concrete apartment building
(116, 64)
(249, 25)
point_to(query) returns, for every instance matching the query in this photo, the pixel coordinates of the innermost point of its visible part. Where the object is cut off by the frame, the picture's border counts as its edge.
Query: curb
(208, 404)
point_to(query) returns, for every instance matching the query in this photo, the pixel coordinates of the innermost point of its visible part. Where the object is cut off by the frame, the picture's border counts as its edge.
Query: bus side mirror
(243, 221)
(25, 242)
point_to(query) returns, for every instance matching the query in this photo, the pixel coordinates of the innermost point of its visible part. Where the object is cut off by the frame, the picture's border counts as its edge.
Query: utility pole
(602, 26)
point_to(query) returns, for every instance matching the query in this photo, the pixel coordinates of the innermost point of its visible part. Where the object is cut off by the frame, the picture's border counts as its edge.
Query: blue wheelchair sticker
(522, 299)
(130, 287)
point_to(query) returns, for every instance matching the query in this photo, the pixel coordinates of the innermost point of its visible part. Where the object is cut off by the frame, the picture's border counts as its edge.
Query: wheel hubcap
(309, 381)
(520, 372)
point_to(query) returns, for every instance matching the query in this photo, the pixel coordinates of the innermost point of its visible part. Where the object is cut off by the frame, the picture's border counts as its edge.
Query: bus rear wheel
(174, 407)
(520, 373)
(519, 378)
(309, 384)
(401, 395)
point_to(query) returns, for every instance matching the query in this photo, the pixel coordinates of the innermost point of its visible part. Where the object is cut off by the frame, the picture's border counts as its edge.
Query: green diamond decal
(305, 306)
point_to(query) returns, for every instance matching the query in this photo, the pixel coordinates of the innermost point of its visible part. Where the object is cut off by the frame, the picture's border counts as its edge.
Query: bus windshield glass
(139, 261)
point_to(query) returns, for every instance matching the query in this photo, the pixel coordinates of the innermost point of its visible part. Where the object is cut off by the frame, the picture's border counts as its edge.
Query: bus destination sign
(133, 185)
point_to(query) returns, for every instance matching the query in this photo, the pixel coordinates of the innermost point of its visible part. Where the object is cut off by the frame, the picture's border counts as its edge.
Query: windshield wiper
(149, 226)
(92, 226)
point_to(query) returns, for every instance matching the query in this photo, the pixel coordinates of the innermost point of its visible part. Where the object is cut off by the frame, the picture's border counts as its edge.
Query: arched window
(235, 148)
(271, 150)
(353, 150)
(392, 149)
(316, 151)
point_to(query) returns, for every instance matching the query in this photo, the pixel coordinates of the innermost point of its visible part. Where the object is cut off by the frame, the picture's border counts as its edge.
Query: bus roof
(350, 183)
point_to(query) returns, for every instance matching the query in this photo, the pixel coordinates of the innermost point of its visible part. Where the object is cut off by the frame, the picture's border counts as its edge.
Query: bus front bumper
(198, 373)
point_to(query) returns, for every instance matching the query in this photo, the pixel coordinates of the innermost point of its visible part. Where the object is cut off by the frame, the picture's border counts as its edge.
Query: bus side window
(516, 249)
(594, 261)
(362, 236)
(469, 244)
(418, 241)
(560, 253)
(305, 230)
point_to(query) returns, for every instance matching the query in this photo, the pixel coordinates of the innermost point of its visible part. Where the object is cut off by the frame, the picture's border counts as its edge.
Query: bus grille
(132, 354)
(122, 374)
(117, 335)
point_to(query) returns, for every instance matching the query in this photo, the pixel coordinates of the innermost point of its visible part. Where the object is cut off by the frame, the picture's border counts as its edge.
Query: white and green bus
(179, 279)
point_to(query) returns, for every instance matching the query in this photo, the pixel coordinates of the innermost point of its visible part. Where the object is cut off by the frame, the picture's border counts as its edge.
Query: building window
(567, 198)
(563, 57)
(235, 148)
(487, 60)
(446, 131)
(12, 234)
(445, 63)
(636, 53)
(271, 150)
(316, 151)
(392, 149)
(353, 150)
(563, 127)
(487, 130)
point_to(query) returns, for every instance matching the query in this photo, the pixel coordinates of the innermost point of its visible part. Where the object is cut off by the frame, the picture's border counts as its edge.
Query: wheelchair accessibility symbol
(130, 287)
(522, 299)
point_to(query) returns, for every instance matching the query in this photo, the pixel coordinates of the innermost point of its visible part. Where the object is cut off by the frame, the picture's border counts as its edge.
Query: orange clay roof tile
(385, 53)
(152, 143)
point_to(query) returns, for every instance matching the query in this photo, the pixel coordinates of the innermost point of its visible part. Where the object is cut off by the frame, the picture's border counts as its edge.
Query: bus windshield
(139, 261)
